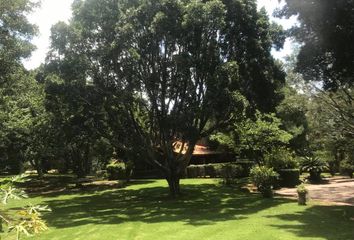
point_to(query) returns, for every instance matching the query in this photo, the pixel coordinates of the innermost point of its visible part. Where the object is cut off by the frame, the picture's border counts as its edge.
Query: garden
(207, 209)
(166, 119)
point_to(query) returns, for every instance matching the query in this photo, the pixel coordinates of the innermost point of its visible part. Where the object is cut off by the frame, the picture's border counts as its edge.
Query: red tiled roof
(198, 149)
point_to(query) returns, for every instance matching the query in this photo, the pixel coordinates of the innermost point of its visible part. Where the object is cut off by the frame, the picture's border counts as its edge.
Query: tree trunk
(80, 170)
(38, 165)
(78, 164)
(21, 166)
(87, 160)
(1, 230)
(67, 163)
(173, 184)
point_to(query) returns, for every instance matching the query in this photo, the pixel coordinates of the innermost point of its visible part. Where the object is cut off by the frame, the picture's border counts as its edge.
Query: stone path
(337, 190)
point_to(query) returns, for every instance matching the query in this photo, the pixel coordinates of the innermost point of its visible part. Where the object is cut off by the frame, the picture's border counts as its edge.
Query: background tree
(77, 112)
(293, 109)
(21, 96)
(21, 109)
(330, 132)
(292, 112)
(326, 33)
(254, 139)
(15, 35)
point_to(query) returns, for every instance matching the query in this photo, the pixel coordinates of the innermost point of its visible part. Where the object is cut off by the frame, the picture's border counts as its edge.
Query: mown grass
(207, 210)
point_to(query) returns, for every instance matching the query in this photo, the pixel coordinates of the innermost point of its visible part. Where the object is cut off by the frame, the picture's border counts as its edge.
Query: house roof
(198, 149)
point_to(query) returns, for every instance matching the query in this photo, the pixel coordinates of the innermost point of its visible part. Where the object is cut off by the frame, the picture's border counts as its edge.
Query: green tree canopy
(15, 34)
(326, 33)
(179, 69)
(21, 97)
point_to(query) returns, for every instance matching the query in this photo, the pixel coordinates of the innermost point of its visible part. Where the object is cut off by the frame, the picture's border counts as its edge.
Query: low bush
(192, 171)
(210, 170)
(101, 173)
(264, 178)
(288, 177)
(347, 168)
(116, 170)
(230, 172)
(227, 171)
(246, 167)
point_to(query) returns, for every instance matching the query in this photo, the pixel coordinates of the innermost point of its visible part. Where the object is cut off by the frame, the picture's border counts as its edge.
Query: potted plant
(301, 194)
(314, 166)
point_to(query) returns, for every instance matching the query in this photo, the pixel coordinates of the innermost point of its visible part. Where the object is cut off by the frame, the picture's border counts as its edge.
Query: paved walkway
(337, 190)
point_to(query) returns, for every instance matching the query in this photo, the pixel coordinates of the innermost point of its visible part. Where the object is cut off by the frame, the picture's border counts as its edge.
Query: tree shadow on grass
(202, 204)
(328, 222)
(57, 185)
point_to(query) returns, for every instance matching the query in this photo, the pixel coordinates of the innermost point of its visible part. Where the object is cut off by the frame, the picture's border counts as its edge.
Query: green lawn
(207, 210)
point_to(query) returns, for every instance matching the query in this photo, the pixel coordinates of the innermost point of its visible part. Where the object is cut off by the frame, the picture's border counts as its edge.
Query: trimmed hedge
(289, 177)
(246, 165)
(219, 170)
(193, 171)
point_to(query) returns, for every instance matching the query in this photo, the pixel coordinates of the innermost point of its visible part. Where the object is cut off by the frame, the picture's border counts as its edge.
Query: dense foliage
(255, 138)
(166, 71)
(145, 80)
(264, 179)
(327, 52)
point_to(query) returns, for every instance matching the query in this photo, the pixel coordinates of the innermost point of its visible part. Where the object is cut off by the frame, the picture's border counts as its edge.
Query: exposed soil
(336, 190)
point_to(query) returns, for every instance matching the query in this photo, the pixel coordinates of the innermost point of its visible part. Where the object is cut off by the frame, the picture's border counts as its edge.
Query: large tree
(21, 111)
(15, 35)
(326, 32)
(21, 96)
(179, 69)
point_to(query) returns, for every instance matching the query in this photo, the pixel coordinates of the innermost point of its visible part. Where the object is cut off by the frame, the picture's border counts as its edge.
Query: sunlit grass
(207, 210)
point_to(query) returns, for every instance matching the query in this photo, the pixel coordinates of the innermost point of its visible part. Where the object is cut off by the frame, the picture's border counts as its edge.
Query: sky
(52, 11)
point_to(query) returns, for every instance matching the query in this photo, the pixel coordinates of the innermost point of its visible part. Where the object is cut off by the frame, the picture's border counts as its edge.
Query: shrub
(314, 166)
(347, 168)
(263, 178)
(280, 158)
(101, 173)
(195, 171)
(210, 170)
(301, 192)
(289, 177)
(116, 170)
(329, 158)
(229, 172)
(192, 171)
(201, 170)
(246, 167)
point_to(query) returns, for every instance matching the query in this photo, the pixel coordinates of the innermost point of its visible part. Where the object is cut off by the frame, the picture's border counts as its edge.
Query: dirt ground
(336, 190)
